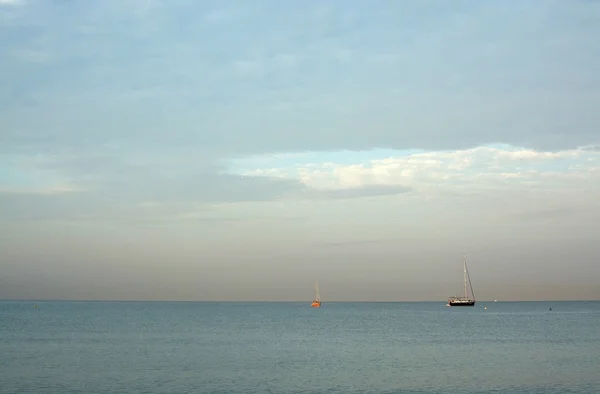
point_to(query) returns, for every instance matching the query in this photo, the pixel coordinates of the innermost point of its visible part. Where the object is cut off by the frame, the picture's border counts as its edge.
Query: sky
(242, 150)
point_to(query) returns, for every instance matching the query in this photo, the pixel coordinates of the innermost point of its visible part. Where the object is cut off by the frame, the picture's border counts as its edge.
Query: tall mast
(317, 289)
(465, 273)
(470, 285)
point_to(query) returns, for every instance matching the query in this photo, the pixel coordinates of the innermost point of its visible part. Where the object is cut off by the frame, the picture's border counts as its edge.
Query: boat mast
(470, 285)
(465, 273)
(317, 290)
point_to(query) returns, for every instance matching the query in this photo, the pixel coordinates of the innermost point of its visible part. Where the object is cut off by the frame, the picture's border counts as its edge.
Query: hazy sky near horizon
(239, 150)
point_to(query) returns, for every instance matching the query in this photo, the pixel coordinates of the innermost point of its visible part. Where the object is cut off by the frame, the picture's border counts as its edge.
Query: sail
(317, 301)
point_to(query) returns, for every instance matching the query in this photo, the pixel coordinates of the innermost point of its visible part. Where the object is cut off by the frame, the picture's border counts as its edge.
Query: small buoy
(35, 306)
(550, 309)
(485, 307)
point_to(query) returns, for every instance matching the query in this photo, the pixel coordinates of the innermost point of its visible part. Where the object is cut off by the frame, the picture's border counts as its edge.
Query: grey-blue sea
(186, 347)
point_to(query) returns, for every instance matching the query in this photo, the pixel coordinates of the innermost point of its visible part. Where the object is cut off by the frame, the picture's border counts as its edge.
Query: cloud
(479, 169)
(148, 197)
(364, 191)
(143, 107)
(171, 185)
(475, 75)
(136, 188)
(109, 184)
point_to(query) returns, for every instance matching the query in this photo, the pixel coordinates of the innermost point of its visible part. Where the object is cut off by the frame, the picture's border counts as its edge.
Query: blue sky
(248, 144)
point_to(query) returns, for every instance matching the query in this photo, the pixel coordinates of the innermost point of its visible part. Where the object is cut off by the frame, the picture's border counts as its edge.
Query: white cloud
(483, 168)
(529, 154)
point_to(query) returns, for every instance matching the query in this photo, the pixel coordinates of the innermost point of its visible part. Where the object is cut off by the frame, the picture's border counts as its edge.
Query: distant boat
(465, 300)
(317, 301)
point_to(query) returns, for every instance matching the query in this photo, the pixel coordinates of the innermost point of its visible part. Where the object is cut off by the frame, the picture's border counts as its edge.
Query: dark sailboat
(465, 300)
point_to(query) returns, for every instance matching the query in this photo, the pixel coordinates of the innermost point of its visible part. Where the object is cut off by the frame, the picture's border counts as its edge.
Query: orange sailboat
(317, 301)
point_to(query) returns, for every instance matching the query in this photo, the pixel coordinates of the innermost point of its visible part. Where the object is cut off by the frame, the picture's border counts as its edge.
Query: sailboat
(317, 301)
(465, 300)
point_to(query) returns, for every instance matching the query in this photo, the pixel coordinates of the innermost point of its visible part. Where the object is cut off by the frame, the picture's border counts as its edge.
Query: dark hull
(461, 303)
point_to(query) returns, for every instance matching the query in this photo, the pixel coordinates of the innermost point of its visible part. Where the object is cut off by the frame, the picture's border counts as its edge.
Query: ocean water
(162, 347)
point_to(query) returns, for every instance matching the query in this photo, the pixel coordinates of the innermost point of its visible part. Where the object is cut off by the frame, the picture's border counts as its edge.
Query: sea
(284, 347)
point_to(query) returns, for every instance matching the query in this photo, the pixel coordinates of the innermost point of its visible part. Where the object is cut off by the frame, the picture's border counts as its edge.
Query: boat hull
(467, 303)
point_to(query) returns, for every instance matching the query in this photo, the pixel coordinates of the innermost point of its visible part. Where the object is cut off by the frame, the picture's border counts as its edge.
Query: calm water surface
(146, 347)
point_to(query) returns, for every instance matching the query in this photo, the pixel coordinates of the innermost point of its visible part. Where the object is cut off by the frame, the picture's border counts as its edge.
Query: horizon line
(276, 301)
